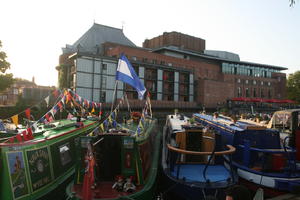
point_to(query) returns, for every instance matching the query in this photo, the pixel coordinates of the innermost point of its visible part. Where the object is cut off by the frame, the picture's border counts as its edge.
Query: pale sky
(262, 31)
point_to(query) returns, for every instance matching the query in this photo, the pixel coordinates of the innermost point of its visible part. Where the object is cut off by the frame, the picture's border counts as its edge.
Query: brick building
(176, 69)
(27, 90)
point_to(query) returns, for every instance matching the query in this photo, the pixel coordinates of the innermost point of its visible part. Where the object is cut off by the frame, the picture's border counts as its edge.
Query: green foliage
(4, 65)
(63, 76)
(293, 86)
(6, 80)
(292, 2)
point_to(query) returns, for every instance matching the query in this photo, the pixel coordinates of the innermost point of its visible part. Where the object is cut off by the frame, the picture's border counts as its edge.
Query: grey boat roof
(98, 34)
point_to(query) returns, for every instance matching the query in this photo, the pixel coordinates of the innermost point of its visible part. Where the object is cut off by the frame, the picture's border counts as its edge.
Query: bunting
(15, 120)
(24, 135)
(55, 93)
(47, 100)
(19, 137)
(101, 127)
(29, 133)
(27, 113)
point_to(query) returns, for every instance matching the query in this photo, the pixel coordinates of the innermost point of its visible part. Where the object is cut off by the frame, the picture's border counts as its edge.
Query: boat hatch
(108, 157)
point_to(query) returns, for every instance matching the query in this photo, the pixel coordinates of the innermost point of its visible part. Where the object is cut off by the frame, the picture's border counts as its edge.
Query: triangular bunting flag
(19, 137)
(47, 100)
(24, 134)
(47, 117)
(101, 127)
(27, 113)
(55, 93)
(109, 119)
(15, 120)
(11, 140)
(29, 134)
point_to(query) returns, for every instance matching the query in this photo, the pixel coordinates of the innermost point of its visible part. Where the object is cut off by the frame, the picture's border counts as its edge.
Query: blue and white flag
(126, 73)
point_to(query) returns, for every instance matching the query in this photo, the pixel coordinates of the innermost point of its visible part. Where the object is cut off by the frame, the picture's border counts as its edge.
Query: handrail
(274, 151)
(230, 151)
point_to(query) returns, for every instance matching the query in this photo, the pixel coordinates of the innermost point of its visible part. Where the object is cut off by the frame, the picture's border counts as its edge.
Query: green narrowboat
(124, 155)
(35, 168)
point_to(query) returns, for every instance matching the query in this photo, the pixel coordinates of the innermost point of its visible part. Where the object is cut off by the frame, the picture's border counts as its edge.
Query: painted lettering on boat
(39, 167)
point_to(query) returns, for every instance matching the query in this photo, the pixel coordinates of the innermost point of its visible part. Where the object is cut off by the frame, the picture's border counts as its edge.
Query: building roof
(98, 34)
(206, 56)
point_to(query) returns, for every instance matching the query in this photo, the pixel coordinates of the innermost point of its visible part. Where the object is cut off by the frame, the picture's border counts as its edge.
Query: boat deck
(104, 190)
(194, 173)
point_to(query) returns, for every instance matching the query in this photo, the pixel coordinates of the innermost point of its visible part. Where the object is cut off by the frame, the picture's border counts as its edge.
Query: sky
(261, 31)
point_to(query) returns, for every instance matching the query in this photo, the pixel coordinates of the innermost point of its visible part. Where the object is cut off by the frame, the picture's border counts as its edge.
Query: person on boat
(238, 192)
(89, 177)
(129, 186)
(78, 122)
(118, 185)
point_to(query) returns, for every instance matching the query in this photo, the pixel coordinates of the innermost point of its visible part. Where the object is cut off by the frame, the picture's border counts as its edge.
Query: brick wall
(180, 40)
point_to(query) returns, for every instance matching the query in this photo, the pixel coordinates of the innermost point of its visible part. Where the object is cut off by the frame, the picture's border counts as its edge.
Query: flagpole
(114, 94)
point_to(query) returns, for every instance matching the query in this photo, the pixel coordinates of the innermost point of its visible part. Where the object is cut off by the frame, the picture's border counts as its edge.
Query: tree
(63, 73)
(4, 65)
(293, 86)
(292, 3)
(5, 79)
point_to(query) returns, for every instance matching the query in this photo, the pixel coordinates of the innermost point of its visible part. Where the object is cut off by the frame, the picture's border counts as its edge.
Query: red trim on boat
(30, 142)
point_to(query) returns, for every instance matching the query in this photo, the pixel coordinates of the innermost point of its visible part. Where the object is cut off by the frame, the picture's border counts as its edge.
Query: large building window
(248, 70)
(254, 92)
(239, 92)
(269, 94)
(247, 92)
(102, 96)
(104, 68)
(262, 95)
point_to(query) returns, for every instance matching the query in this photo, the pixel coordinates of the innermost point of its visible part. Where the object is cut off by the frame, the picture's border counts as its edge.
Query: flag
(102, 127)
(55, 93)
(27, 113)
(15, 120)
(126, 73)
(2, 127)
(24, 134)
(105, 122)
(11, 140)
(47, 100)
(19, 137)
(29, 134)
(47, 117)
(114, 123)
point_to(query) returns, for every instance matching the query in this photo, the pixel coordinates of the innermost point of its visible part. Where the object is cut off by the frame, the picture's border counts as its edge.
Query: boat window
(64, 152)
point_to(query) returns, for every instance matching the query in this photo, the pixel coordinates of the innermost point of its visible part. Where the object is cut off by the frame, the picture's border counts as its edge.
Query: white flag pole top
(126, 73)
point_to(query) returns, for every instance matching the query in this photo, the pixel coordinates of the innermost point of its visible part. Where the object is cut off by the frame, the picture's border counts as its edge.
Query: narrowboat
(118, 162)
(193, 161)
(35, 167)
(262, 159)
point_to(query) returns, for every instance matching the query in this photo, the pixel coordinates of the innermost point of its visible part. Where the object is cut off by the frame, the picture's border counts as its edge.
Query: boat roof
(224, 122)
(288, 111)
